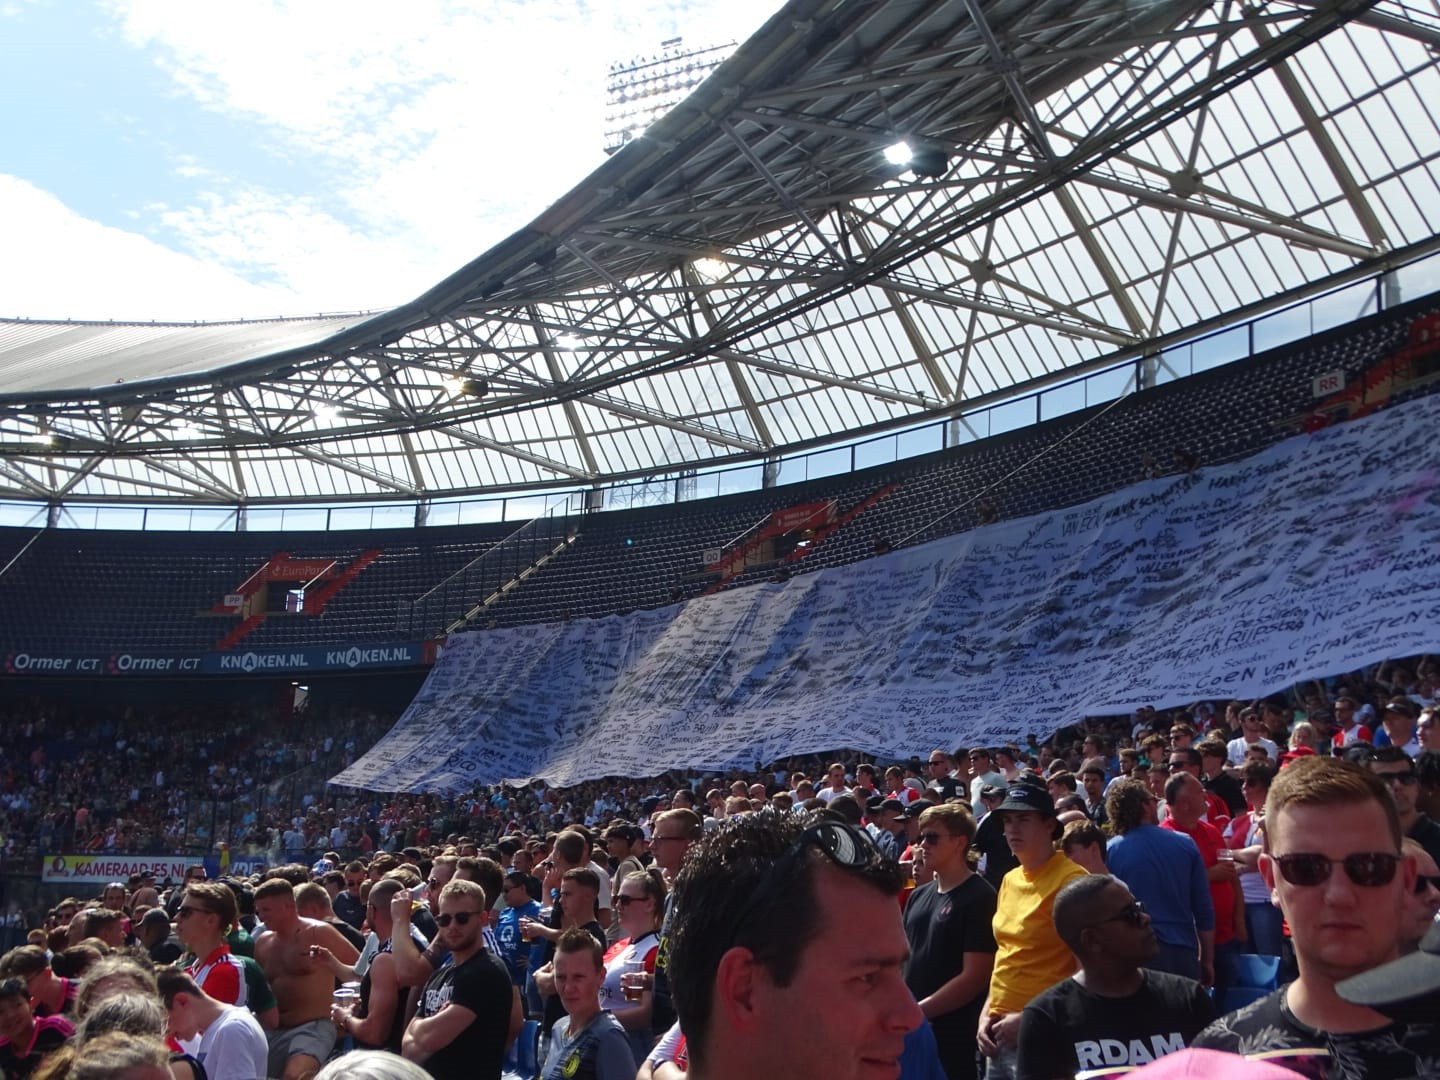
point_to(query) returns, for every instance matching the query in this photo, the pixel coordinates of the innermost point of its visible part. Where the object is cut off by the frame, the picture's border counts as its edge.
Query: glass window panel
(477, 511)
(1343, 306)
(1418, 279)
(1061, 400)
(1222, 348)
(305, 519)
(520, 510)
(924, 440)
(351, 517)
(23, 515)
(827, 462)
(875, 452)
(120, 517)
(262, 519)
(1107, 385)
(1282, 328)
(746, 479)
(1012, 415)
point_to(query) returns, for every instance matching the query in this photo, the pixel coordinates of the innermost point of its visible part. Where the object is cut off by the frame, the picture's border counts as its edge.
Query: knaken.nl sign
(401, 654)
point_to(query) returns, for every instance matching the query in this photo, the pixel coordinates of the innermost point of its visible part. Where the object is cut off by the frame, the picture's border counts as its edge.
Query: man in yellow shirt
(1031, 958)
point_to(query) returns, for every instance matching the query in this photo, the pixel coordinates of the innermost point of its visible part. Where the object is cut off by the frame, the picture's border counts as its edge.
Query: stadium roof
(1092, 179)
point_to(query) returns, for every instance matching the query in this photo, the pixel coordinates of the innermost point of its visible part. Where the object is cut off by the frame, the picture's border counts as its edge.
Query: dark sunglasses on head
(1368, 869)
(461, 917)
(841, 843)
(1421, 880)
(1132, 914)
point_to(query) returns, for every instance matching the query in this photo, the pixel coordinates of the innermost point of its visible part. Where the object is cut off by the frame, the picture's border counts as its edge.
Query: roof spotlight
(899, 153)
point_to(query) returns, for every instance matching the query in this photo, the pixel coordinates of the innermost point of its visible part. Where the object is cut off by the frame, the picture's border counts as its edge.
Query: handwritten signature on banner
(1317, 555)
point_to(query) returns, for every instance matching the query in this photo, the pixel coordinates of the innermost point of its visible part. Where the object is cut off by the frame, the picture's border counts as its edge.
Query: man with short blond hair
(301, 980)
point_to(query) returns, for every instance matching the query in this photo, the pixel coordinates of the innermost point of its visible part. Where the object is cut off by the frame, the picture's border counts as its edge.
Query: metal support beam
(469, 438)
(812, 375)
(1117, 288)
(1297, 233)
(786, 198)
(652, 416)
(572, 416)
(1008, 70)
(355, 469)
(1305, 108)
(737, 374)
(908, 325)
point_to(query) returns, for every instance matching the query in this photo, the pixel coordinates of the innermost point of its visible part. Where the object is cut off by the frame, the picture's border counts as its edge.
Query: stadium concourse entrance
(128, 770)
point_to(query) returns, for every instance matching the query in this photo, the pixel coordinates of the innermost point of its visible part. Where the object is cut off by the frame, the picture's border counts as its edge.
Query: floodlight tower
(642, 90)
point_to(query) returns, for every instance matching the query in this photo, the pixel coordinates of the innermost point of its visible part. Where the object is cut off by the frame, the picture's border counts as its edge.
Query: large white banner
(1316, 556)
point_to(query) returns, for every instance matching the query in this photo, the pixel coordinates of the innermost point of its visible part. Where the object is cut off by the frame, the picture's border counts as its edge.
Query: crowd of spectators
(166, 781)
(465, 923)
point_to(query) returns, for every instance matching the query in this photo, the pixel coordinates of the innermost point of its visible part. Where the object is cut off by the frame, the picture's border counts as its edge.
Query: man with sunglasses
(942, 779)
(467, 1013)
(207, 910)
(347, 902)
(1393, 765)
(952, 948)
(787, 953)
(1113, 1014)
(1332, 860)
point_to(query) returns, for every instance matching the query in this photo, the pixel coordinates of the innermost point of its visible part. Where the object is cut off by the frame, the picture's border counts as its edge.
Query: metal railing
(461, 595)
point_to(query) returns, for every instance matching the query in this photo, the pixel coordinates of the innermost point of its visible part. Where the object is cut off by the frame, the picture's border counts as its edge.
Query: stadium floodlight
(325, 413)
(640, 91)
(710, 268)
(899, 153)
(458, 385)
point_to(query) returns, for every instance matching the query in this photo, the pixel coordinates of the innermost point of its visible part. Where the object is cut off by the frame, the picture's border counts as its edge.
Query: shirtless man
(300, 977)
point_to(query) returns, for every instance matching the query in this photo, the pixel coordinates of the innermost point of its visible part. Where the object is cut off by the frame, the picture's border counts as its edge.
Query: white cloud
(435, 128)
(61, 265)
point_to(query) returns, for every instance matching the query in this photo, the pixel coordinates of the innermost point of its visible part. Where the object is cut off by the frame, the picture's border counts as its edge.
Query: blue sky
(174, 159)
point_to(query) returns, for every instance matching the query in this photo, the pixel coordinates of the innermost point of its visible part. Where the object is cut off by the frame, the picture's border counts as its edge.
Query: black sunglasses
(1368, 869)
(1406, 778)
(1132, 914)
(461, 917)
(1421, 880)
(625, 901)
(841, 843)
(930, 838)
